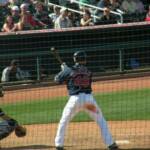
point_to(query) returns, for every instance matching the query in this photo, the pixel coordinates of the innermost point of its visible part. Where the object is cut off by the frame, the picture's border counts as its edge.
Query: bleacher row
(16, 15)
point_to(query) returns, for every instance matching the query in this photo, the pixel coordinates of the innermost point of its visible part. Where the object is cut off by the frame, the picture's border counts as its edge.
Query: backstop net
(119, 59)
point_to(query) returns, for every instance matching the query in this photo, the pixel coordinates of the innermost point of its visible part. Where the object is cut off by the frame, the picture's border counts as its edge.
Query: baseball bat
(56, 54)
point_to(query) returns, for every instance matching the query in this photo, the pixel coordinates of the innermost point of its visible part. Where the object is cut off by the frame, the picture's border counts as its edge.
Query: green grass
(127, 105)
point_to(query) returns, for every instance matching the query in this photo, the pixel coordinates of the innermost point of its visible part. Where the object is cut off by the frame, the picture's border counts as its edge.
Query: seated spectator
(107, 17)
(148, 15)
(30, 4)
(63, 21)
(42, 14)
(74, 18)
(23, 24)
(12, 72)
(8, 24)
(30, 20)
(15, 13)
(55, 14)
(3, 11)
(101, 4)
(86, 20)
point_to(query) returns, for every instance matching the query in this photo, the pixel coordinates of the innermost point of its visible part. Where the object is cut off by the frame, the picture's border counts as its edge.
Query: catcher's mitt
(20, 131)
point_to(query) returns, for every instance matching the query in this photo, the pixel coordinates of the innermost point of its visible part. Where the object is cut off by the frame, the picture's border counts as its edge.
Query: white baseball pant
(75, 104)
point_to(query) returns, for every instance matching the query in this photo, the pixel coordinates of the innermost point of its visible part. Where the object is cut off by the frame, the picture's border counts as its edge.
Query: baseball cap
(15, 8)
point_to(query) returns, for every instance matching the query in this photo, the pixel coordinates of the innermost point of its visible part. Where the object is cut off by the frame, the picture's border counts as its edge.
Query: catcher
(8, 125)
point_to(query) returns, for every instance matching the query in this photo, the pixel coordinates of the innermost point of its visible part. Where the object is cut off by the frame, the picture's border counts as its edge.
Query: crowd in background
(19, 15)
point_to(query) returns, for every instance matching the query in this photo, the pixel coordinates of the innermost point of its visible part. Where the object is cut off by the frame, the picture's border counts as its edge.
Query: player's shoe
(114, 146)
(59, 148)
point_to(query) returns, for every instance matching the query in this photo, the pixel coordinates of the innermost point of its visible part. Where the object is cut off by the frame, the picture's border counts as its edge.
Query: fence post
(38, 68)
(121, 61)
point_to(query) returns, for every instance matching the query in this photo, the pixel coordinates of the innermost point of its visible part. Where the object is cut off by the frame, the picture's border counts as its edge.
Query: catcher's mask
(79, 56)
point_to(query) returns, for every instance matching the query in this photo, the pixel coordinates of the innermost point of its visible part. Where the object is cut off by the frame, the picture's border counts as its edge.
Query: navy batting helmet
(79, 56)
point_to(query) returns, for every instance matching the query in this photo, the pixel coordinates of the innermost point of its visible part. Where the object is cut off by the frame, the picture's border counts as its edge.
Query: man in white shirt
(12, 72)
(63, 21)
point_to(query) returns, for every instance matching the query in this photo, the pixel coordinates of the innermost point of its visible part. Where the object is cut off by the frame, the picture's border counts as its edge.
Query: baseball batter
(78, 80)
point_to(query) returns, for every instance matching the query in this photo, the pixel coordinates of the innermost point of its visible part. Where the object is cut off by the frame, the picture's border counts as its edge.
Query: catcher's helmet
(79, 56)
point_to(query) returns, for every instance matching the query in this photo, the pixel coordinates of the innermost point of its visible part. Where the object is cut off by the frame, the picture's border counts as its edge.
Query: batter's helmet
(79, 56)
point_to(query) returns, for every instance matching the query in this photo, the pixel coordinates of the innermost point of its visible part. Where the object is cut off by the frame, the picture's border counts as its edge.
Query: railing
(72, 10)
(98, 8)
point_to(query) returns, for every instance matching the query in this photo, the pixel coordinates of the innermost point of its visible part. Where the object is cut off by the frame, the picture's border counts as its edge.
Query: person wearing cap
(15, 13)
(12, 72)
(63, 21)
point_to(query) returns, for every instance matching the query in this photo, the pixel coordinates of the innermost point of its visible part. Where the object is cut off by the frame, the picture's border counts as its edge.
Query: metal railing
(98, 8)
(73, 10)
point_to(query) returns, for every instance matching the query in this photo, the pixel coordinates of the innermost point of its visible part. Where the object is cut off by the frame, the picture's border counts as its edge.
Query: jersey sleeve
(62, 76)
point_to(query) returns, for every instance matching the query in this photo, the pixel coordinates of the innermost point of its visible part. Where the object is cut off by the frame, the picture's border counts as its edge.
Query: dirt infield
(80, 136)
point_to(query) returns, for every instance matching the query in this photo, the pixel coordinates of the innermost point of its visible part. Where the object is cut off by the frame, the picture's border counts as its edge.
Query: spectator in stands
(148, 15)
(23, 24)
(42, 14)
(15, 13)
(12, 72)
(8, 24)
(30, 4)
(3, 11)
(29, 19)
(13, 3)
(86, 20)
(101, 4)
(55, 14)
(63, 21)
(75, 21)
(107, 17)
